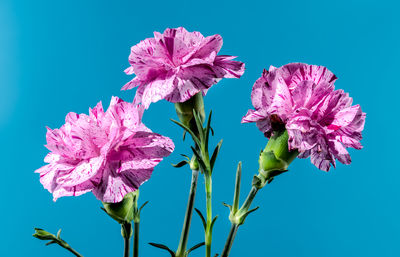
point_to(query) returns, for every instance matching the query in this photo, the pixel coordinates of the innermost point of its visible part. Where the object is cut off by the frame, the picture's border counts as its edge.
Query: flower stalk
(201, 137)
(184, 111)
(273, 161)
(124, 213)
(181, 252)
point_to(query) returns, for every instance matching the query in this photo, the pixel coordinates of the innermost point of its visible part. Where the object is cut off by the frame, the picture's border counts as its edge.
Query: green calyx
(274, 159)
(122, 212)
(185, 111)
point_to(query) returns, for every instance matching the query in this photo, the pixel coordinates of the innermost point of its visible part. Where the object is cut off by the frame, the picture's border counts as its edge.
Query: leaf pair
(164, 247)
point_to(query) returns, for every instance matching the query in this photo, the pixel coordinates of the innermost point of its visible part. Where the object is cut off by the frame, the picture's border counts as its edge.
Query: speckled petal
(114, 186)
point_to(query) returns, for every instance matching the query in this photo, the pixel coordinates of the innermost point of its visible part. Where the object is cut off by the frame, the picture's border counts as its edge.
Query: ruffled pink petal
(316, 74)
(82, 172)
(345, 117)
(254, 116)
(224, 67)
(157, 89)
(340, 152)
(114, 186)
(282, 103)
(263, 92)
(321, 157)
(138, 164)
(210, 45)
(132, 84)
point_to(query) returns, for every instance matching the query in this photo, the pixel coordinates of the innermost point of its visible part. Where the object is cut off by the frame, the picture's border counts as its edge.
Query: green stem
(245, 207)
(188, 215)
(136, 240)
(208, 232)
(229, 240)
(126, 233)
(249, 199)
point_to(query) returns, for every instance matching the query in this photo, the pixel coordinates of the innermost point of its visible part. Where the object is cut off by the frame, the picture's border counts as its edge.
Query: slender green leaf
(199, 125)
(201, 217)
(180, 164)
(237, 187)
(215, 154)
(208, 130)
(164, 247)
(51, 242)
(212, 222)
(195, 247)
(247, 213)
(195, 138)
(143, 205)
(199, 159)
(228, 205)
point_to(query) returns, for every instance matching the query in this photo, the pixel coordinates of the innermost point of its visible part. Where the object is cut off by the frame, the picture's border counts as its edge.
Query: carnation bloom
(109, 153)
(178, 64)
(321, 121)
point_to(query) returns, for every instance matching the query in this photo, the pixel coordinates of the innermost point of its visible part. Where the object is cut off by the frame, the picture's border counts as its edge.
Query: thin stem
(126, 234)
(72, 251)
(250, 198)
(188, 215)
(229, 240)
(208, 232)
(126, 247)
(136, 239)
(245, 207)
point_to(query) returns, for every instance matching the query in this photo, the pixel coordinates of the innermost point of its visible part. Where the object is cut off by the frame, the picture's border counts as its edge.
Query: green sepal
(185, 109)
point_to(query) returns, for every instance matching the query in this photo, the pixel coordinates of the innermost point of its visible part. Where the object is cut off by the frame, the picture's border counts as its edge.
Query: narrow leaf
(195, 247)
(195, 138)
(201, 217)
(227, 205)
(143, 205)
(164, 247)
(184, 155)
(199, 125)
(247, 213)
(215, 154)
(59, 233)
(51, 242)
(237, 188)
(180, 164)
(212, 222)
(208, 130)
(199, 159)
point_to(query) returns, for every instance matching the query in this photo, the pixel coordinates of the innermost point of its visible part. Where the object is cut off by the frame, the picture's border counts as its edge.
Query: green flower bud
(185, 110)
(43, 234)
(275, 158)
(194, 164)
(122, 212)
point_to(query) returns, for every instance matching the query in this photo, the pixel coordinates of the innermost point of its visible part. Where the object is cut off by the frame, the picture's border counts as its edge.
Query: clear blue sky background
(61, 56)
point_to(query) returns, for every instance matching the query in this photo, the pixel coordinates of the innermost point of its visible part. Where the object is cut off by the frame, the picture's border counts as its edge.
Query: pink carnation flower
(109, 153)
(178, 64)
(321, 121)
